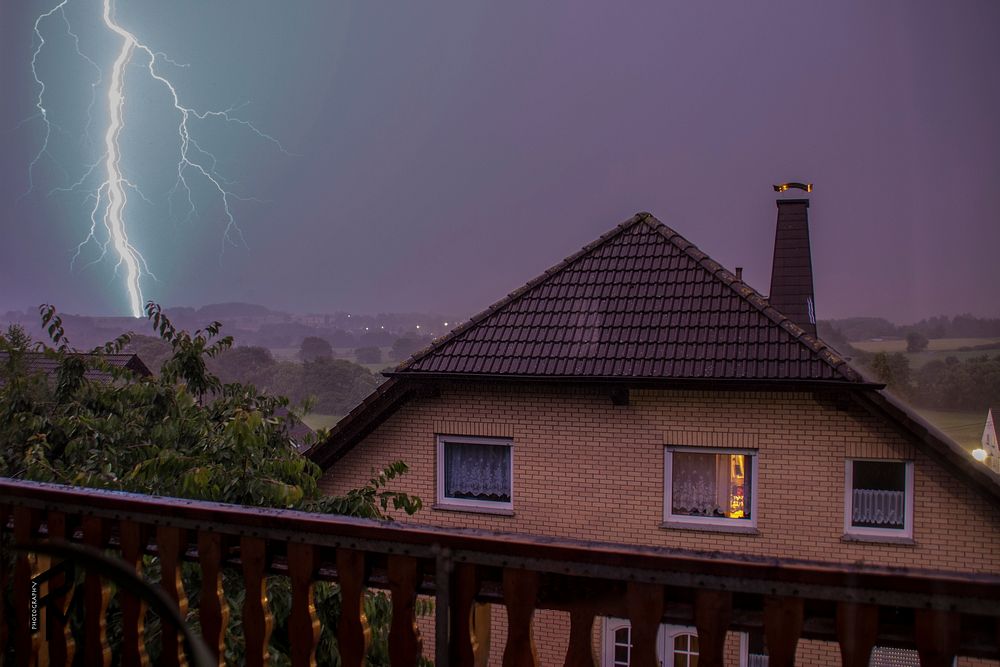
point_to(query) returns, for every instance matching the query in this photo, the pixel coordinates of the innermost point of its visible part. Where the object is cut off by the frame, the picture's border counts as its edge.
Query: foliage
(182, 433)
(407, 345)
(893, 370)
(314, 347)
(970, 384)
(916, 342)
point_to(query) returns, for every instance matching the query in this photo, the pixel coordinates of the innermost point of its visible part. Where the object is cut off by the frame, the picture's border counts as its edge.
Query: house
(638, 392)
(990, 441)
(38, 362)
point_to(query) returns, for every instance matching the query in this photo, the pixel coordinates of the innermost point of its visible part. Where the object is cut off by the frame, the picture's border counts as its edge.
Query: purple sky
(447, 152)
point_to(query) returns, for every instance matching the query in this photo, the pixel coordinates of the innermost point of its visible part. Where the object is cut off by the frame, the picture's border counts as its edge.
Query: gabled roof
(38, 362)
(641, 302)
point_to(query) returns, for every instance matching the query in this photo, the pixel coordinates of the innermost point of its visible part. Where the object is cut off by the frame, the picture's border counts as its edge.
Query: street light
(979, 454)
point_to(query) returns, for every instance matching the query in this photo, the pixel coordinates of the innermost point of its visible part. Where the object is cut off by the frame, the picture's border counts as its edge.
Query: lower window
(475, 472)
(676, 645)
(709, 486)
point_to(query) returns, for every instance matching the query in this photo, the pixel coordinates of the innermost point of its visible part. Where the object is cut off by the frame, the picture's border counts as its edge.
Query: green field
(965, 428)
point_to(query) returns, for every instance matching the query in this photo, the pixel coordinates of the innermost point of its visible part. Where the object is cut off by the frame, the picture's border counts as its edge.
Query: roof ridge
(816, 345)
(520, 291)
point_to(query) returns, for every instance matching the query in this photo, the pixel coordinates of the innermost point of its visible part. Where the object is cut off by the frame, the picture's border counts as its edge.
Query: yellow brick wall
(585, 468)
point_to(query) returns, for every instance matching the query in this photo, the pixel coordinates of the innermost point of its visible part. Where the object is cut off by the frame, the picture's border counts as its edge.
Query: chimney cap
(793, 185)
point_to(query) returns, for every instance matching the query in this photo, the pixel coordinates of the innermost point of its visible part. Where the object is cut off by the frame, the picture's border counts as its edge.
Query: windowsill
(709, 527)
(878, 539)
(498, 511)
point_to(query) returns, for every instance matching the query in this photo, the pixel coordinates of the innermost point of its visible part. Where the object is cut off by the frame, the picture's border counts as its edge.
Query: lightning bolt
(109, 197)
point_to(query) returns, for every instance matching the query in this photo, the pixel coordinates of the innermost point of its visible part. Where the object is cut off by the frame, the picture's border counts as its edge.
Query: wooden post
(857, 630)
(133, 650)
(96, 595)
(520, 594)
(713, 612)
(171, 543)
(353, 633)
(938, 636)
(257, 620)
(783, 619)
(580, 650)
(405, 646)
(62, 648)
(465, 586)
(213, 612)
(645, 611)
(303, 624)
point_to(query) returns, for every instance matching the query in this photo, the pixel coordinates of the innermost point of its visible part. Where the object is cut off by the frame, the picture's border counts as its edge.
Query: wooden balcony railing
(939, 614)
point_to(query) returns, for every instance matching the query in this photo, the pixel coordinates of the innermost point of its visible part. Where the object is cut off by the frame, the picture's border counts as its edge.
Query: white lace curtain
(695, 484)
(477, 471)
(878, 508)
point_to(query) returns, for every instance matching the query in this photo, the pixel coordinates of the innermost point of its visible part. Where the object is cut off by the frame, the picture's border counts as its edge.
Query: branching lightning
(108, 198)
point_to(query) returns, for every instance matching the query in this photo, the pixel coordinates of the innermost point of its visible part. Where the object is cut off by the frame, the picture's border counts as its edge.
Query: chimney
(791, 274)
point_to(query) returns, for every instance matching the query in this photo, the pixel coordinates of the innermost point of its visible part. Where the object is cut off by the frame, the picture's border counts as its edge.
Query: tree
(314, 347)
(916, 342)
(893, 370)
(407, 345)
(182, 433)
(368, 355)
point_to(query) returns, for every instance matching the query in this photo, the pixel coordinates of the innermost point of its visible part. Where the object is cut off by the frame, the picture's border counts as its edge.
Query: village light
(979, 454)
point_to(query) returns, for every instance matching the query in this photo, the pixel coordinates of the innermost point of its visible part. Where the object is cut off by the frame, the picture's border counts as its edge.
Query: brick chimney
(791, 274)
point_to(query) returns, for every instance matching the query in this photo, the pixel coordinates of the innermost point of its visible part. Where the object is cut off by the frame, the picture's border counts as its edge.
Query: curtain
(878, 508)
(477, 471)
(695, 484)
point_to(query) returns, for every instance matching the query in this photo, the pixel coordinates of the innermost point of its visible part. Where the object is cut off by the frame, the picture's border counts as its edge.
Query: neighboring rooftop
(38, 362)
(641, 302)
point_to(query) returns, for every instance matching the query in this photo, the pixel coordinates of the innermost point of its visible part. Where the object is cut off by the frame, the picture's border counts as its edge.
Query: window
(475, 472)
(676, 645)
(710, 486)
(879, 498)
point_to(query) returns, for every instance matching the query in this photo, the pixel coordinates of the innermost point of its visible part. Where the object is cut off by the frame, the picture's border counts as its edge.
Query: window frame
(448, 502)
(721, 523)
(906, 532)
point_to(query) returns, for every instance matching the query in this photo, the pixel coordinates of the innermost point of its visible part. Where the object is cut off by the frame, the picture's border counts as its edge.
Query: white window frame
(468, 503)
(722, 522)
(664, 641)
(906, 532)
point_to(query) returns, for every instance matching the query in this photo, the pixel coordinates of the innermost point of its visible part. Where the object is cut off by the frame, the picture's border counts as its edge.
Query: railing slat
(4, 578)
(857, 630)
(464, 587)
(303, 624)
(257, 620)
(520, 595)
(405, 646)
(713, 612)
(938, 634)
(133, 608)
(645, 611)
(96, 596)
(353, 633)
(26, 642)
(213, 612)
(580, 650)
(171, 543)
(783, 619)
(61, 644)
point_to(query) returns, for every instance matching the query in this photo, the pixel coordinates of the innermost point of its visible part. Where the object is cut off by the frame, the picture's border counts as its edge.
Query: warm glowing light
(784, 187)
(979, 454)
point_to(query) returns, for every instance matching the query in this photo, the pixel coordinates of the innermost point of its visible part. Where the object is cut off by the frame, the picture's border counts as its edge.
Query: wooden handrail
(583, 577)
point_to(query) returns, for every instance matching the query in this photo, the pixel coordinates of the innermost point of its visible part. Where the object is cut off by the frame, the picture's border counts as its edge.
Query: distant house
(638, 392)
(990, 442)
(38, 362)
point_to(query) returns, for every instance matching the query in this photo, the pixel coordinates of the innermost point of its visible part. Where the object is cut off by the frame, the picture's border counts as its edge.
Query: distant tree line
(948, 384)
(942, 326)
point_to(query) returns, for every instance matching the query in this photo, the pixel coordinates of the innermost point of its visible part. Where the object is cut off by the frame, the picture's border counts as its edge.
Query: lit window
(710, 486)
(879, 498)
(475, 472)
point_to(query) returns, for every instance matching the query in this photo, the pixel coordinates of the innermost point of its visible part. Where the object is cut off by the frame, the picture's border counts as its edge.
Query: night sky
(443, 153)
